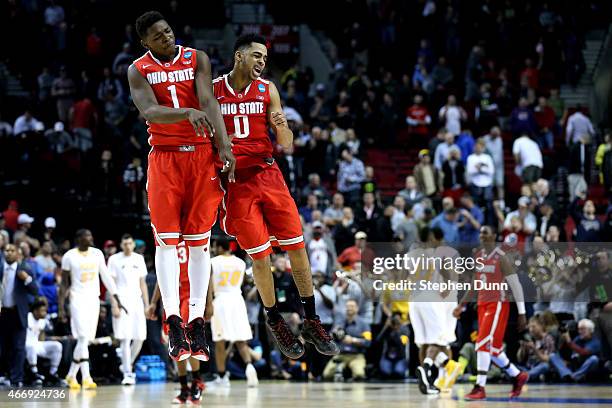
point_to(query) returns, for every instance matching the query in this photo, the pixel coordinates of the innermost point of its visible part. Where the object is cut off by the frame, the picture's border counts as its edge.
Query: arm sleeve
(517, 291)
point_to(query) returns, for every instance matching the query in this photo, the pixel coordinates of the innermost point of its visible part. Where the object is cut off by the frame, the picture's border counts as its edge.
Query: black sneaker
(287, 343)
(197, 339)
(183, 396)
(197, 386)
(178, 347)
(315, 334)
(424, 386)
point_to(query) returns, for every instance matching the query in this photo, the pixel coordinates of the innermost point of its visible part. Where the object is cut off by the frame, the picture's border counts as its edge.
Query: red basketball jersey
(491, 273)
(173, 84)
(246, 117)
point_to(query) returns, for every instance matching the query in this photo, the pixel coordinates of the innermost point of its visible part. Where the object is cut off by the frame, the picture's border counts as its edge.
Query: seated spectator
(453, 174)
(38, 346)
(411, 193)
(369, 216)
(522, 120)
(524, 215)
(407, 230)
(546, 219)
(58, 139)
(394, 338)
(109, 84)
(351, 174)
(345, 230)
(27, 123)
(356, 253)
(528, 159)
(312, 204)
(535, 354)
(333, 214)
(399, 211)
(427, 177)
(123, 60)
(354, 337)
(314, 187)
(585, 349)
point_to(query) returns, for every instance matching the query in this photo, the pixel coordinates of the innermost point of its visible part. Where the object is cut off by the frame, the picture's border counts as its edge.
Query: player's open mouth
(257, 70)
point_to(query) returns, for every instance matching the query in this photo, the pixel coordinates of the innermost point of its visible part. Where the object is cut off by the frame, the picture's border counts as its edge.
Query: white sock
(168, 271)
(135, 349)
(441, 358)
(74, 369)
(428, 361)
(503, 362)
(199, 277)
(483, 363)
(126, 356)
(85, 369)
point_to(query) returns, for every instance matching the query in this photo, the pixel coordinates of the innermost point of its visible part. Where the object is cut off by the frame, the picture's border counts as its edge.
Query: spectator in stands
(534, 354)
(603, 157)
(579, 166)
(351, 142)
(27, 257)
(451, 116)
(17, 284)
(528, 159)
(354, 337)
(448, 222)
(585, 350)
(394, 338)
(123, 60)
(547, 218)
(369, 216)
(314, 187)
(443, 149)
(47, 279)
(368, 185)
(487, 110)
(435, 141)
(470, 220)
(3, 232)
(411, 193)
(109, 84)
(351, 173)
(495, 148)
(11, 215)
(546, 121)
(21, 235)
(578, 124)
(133, 177)
(588, 226)
(418, 120)
(58, 139)
(333, 214)
(479, 173)
(427, 177)
(115, 112)
(345, 230)
(356, 253)
(522, 120)
(321, 251)
(453, 174)
(45, 83)
(466, 142)
(524, 215)
(27, 123)
(83, 122)
(399, 211)
(407, 230)
(543, 193)
(442, 75)
(312, 204)
(530, 74)
(50, 225)
(63, 90)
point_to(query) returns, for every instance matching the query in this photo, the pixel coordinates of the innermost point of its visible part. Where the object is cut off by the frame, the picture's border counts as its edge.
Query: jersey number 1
(172, 89)
(241, 126)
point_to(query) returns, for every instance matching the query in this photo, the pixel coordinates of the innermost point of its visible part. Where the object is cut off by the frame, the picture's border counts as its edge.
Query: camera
(570, 326)
(338, 334)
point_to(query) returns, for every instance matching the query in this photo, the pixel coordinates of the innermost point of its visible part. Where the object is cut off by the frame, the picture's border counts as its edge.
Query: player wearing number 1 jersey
(258, 209)
(172, 87)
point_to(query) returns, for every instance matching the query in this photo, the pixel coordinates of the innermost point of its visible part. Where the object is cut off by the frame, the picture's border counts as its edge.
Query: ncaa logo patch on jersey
(187, 54)
(261, 87)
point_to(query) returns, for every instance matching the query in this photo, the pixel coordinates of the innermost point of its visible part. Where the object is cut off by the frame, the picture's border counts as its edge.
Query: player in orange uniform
(493, 312)
(187, 394)
(171, 86)
(257, 208)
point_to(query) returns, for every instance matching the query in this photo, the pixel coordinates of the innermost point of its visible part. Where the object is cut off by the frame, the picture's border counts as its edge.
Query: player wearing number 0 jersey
(258, 209)
(493, 313)
(172, 87)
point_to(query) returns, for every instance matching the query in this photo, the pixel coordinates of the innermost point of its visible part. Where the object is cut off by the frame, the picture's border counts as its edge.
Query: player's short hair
(246, 40)
(146, 20)
(224, 243)
(424, 234)
(437, 233)
(39, 302)
(80, 233)
(126, 236)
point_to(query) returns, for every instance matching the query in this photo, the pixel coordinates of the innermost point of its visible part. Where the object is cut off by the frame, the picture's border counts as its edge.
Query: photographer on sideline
(534, 353)
(585, 353)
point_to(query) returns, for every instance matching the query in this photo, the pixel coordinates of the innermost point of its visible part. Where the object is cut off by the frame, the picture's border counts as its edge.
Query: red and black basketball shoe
(197, 339)
(286, 341)
(178, 347)
(314, 333)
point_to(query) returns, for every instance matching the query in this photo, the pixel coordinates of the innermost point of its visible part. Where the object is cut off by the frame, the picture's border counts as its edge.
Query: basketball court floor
(271, 394)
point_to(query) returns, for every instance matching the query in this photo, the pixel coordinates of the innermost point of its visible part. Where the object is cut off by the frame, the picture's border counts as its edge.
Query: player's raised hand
(229, 162)
(200, 122)
(279, 119)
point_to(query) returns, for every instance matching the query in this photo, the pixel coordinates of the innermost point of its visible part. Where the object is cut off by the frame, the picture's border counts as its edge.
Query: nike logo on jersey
(192, 304)
(145, 66)
(213, 178)
(220, 97)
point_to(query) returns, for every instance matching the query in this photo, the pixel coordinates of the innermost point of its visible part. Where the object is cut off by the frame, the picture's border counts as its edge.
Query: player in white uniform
(82, 268)
(37, 346)
(230, 321)
(129, 270)
(431, 316)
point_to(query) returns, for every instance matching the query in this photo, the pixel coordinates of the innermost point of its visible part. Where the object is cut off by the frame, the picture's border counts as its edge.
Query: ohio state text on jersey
(246, 117)
(173, 84)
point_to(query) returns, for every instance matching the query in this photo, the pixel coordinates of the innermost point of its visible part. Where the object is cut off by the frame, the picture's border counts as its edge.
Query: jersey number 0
(241, 126)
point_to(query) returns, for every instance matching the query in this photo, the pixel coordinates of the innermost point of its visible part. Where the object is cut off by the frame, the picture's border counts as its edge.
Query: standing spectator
(411, 193)
(345, 230)
(603, 157)
(442, 149)
(26, 254)
(17, 283)
(479, 176)
(115, 111)
(132, 180)
(11, 215)
(320, 250)
(447, 221)
(45, 84)
(314, 187)
(418, 120)
(530, 74)
(351, 173)
(123, 60)
(333, 214)
(442, 75)
(83, 122)
(495, 147)
(109, 84)
(470, 220)
(546, 121)
(427, 177)
(50, 225)
(368, 216)
(399, 211)
(407, 230)
(25, 223)
(579, 166)
(522, 120)
(556, 103)
(453, 173)
(528, 159)
(312, 204)
(63, 90)
(588, 227)
(524, 215)
(466, 143)
(451, 115)
(54, 14)
(585, 350)
(356, 253)
(578, 124)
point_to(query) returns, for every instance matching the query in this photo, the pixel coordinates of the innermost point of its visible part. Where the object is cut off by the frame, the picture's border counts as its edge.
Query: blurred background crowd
(440, 115)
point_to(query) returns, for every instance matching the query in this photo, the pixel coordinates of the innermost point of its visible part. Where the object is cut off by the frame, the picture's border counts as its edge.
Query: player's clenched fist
(279, 119)
(200, 122)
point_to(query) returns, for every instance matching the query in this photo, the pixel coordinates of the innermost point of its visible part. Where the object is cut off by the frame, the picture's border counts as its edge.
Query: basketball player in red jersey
(493, 312)
(171, 86)
(258, 208)
(187, 394)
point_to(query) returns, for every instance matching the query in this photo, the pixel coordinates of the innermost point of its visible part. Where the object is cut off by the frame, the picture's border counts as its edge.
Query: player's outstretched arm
(209, 104)
(277, 119)
(145, 101)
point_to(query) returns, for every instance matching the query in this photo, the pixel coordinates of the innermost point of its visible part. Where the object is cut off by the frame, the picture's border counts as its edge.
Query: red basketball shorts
(259, 211)
(492, 322)
(184, 193)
